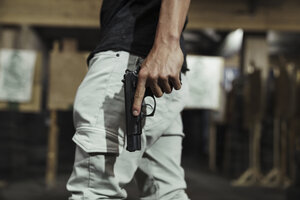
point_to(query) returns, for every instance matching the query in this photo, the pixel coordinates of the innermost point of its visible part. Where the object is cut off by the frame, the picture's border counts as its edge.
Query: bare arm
(161, 69)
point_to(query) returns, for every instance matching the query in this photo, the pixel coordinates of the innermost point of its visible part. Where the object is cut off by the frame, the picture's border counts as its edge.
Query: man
(132, 30)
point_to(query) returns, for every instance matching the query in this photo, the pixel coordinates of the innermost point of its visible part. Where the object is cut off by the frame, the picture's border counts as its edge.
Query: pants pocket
(93, 89)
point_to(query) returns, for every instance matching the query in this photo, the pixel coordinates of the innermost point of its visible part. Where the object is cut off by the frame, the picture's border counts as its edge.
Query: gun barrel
(133, 143)
(133, 124)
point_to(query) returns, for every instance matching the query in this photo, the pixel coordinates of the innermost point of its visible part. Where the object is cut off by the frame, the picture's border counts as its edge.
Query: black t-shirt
(130, 25)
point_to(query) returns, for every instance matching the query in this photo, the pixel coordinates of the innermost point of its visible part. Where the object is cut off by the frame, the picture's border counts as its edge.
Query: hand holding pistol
(134, 123)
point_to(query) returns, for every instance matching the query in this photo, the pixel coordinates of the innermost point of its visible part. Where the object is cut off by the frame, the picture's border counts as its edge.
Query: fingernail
(135, 113)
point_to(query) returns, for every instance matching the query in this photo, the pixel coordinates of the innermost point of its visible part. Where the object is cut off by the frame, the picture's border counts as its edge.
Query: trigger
(149, 106)
(144, 110)
(153, 110)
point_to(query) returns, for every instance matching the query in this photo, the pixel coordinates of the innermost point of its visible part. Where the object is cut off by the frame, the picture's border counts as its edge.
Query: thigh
(101, 167)
(99, 107)
(160, 175)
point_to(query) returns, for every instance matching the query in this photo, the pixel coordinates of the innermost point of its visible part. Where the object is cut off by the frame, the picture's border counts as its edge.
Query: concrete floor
(201, 186)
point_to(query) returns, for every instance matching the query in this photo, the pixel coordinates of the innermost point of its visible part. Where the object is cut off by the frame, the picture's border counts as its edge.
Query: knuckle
(153, 77)
(173, 76)
(135, 107)
(143, 74)
(138, 96)
(163, 78)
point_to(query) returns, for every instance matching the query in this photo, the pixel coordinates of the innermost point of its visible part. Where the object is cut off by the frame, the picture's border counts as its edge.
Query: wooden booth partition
(293, 142)
(285, 119)
(256, 66)
(67, 69)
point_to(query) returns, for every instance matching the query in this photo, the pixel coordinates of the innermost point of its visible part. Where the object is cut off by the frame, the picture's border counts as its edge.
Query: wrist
(170, 41)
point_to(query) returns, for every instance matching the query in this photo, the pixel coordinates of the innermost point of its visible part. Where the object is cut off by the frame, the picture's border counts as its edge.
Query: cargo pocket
(99, 140)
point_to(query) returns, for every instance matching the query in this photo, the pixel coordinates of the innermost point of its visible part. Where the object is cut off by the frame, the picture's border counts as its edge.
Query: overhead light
(232, 43)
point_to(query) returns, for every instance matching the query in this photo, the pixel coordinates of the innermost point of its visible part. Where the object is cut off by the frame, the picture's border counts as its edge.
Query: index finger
(139, 95)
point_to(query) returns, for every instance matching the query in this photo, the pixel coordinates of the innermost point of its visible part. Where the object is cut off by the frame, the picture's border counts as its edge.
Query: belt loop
(138, 63)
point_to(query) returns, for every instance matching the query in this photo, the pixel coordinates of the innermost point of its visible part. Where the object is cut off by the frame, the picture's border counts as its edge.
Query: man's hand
(160, 71)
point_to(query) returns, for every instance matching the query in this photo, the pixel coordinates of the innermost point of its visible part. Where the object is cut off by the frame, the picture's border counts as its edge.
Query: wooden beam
(234, 14)
(218, 14)
(67, 13)
(52, 155)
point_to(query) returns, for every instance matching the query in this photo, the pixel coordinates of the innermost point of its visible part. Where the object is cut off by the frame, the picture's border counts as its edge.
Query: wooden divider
(256, 67)
(219, 14)
(67, 69)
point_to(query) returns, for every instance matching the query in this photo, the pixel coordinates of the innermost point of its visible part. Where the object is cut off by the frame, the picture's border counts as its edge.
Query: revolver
(134, 123)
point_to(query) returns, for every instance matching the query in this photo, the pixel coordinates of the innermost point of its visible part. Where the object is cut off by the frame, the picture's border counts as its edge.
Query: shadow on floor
(201, 185)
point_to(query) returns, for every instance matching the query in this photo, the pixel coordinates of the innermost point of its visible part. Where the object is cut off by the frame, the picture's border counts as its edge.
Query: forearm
(171, 21)
(161, 69)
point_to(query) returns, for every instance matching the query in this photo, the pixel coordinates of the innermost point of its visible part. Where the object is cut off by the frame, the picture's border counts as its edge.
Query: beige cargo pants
(102, 166)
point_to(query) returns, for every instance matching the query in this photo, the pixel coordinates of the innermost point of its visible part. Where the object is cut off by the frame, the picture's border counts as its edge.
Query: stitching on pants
(114, 65)
(89, 167)
(153, 180)
(156, 185)
(156, 188)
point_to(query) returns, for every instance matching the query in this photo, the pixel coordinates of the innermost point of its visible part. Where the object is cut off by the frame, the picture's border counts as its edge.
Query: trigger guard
(153, 108)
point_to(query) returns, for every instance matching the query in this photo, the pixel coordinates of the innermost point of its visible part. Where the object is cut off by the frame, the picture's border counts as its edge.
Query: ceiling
(204, 42)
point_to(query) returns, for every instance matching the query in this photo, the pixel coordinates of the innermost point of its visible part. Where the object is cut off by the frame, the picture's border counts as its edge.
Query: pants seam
(97, 115)
(89, 167)
(156, 188)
